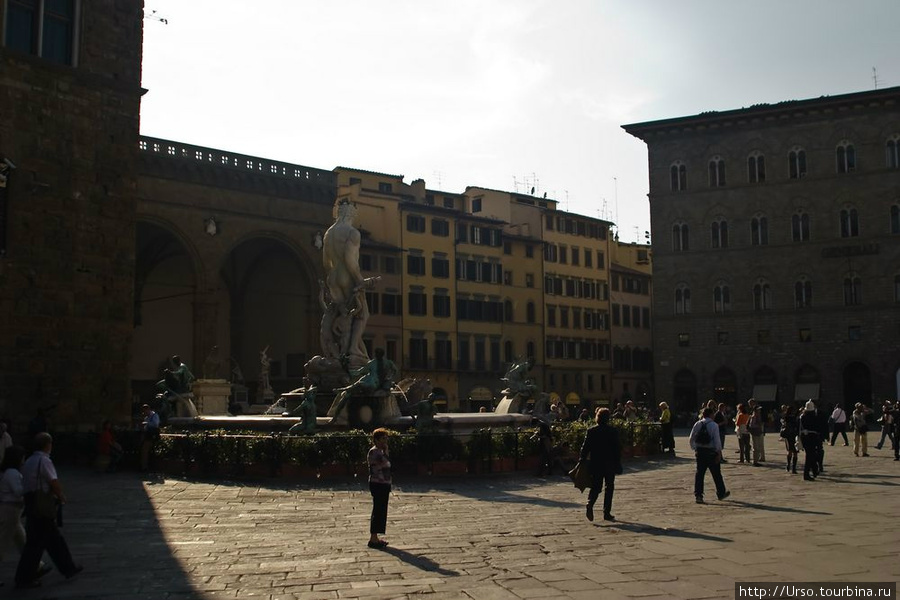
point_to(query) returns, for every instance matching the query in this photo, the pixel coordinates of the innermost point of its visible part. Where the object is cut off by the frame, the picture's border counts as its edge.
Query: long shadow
(778, 508)
(861, 475)
(420, 562)
(664, 531)
(879, 483)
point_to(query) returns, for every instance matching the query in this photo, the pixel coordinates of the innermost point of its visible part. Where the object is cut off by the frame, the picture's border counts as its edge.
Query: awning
(806, 391)
(765, 392)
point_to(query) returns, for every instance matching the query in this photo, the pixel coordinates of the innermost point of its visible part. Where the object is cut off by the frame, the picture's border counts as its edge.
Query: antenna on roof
(154, 16)
(437, 175)
(875, 77)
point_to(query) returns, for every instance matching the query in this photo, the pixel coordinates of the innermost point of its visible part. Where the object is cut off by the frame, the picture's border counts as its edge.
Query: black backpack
(703, 436)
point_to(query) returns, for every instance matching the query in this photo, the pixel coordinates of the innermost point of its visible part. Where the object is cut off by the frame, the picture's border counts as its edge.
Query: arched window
(529, 312)
(892, 152)
(721, 298)
(852, 290)
(716, 171)
(895, 219)
(719, 233)
(759, 231)
(508, 311)
(849, 222)
(678, 176)
(682, 299)
(762, 296)
(802, 293)
(845, 156)
(800, 227)
(797, 163)
(756, 168)
(680, 237)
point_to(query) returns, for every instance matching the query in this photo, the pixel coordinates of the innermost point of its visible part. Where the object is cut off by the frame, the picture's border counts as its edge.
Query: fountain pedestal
(212, 396)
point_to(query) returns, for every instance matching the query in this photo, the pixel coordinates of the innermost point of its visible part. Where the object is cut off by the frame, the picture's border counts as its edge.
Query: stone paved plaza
(504, 537)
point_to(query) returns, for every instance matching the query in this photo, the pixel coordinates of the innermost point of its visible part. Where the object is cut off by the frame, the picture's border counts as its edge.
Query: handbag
(581, 474)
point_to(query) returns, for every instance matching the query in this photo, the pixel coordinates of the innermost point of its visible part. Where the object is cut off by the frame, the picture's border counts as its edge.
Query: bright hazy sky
(506, 94)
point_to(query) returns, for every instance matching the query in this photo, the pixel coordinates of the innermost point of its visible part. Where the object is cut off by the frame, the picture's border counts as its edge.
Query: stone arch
(857, 383)
(268, 296)
(166, 278)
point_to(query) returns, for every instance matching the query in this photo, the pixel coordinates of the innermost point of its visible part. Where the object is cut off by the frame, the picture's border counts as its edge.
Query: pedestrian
(379, 486)
(790, 429)
(544, 437)
(602, 445)
(707, 447)
(895, 419)
(860, 429)
(741, 422)
(822, 420)
(839, 421)
(39, 479)
(108, 448)
(665, 419)
(887, 424)
(810, 438)
(756, 427)
(149, 435)
(630, 412)
(721, 420)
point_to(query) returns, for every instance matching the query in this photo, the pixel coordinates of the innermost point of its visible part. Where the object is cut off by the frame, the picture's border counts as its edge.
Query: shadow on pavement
(420, 562)
(664, 531)
(112, 530)
(777, 508)
(862, 475)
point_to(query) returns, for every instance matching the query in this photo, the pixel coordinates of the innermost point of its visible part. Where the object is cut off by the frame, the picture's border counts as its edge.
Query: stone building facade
(776, 248)
(70, 76)
(631, 323)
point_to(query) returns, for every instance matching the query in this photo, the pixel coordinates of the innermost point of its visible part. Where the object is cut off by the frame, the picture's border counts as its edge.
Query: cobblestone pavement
(503, 537)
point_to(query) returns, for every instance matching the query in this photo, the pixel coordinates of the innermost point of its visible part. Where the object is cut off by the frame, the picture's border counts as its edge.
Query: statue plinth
(212, 396)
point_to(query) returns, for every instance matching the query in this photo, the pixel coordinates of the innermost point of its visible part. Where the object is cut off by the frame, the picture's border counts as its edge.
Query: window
(429, 199)
(762, 296)
(507, 248)
(896, 288)
(756, 168)
(680, 238)
(391, 304)
(601, 263)
(42, 28)
(365, 262)
(684, 339)
(529, 251)
(440, 267)
(479, 354)
(462, 360)
(845, 156)
(759, 231)
(390, 350)
(551, 253)
(495, 354)
(418, 353)
(415, 223)
(462, 232)
(372, 302)
(508, 355)
(564, 317)
(529, 312)
(529, 280)
(476, 205)
(804, 335)
(636, 316)
(645, 317)
(721, 298)
(802, 293)
(355, 181)
(797, 163)
(717, 172)
(588, 258)
(448, 202)
(563, 255)
(682, 300)
(385, 188)
(508, 311)
(722, 338)
(441, 305)
(895, 219)
(626, 315)
(719, 232)
(763, 336)
(576, 257)
(443, 354)
(678, 176)
(616, 315)
(415, 264)
(551, 315)
(849, 222)
(852, 290)
(854, 333)
(440, 227)
(800, 227)
(576, 318)
(892, 152)
(507, 278)
(418, 304)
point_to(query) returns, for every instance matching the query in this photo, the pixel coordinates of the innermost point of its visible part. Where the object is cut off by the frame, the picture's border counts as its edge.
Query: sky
(503, 94)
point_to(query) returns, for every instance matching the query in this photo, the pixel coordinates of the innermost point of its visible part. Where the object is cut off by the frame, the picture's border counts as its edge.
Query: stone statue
(414, 391)
(264, 384)
(237, 376)
(343, 298)
(425, 412)
(176, 385)
(376, 377)
(307, 411)
(518, 382)
(212, 364)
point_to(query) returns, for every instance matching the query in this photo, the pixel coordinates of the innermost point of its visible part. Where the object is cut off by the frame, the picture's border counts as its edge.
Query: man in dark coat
(602, 445)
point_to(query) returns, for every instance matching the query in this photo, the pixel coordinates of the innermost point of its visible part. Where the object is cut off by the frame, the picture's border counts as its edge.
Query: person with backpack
(707, 447)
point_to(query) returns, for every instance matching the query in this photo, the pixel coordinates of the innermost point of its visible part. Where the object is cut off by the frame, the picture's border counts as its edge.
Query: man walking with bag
(42, 496)
(602, 445)
(707, 447)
